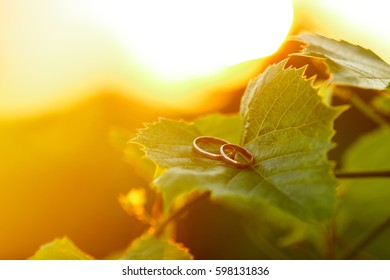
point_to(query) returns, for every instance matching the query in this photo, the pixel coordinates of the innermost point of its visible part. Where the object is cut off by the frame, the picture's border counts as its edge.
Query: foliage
(289, 202)
(289, 145)
(366, 202)
(149, 247)
(348, 64)
(60, 249)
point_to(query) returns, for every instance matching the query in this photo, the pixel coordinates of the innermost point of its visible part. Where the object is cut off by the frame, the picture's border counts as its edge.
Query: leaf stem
(366, 239)
(160, 228)
(367, 110)
(361, 174)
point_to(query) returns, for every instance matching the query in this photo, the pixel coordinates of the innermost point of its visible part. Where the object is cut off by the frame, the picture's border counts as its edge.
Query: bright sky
(182, 39)
(365, 23)
(54, 53)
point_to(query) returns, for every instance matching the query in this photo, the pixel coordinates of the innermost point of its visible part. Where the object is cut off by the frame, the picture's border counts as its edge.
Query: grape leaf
(348, 64)
(135, 156)
(366, 201)
(286, 127)
(169, 143)
(227, 127)
(60, 249)
(148, 247)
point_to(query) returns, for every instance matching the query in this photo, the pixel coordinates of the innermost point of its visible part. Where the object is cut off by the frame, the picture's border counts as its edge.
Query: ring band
(238, 149)
(213, 140)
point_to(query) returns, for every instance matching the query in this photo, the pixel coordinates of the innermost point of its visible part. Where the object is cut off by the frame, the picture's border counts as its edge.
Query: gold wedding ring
(208, 139)
(238, 150)
(227, 151)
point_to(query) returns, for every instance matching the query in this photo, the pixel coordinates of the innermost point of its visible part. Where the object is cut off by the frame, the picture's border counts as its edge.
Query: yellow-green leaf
(348, 64)
(168, 143)
(148, 247)
(286, 127)
(60, 249)
(227, 127)
(135, 156)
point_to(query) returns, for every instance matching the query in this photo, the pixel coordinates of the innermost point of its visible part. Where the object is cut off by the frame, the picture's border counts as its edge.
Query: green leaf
(168, 143)
(348, 64)
(135, 156)
(286, 127)
(365, 202)
(282, 100)
(370, 152)
(148, 247)
(227, 127)
(60, 249)
(278, 234)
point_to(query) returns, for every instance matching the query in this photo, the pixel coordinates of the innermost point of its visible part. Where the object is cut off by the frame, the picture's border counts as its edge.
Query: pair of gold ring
(227, 151)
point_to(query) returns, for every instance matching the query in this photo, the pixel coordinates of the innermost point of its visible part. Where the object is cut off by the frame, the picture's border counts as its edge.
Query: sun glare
(182, 39)
(359, 22)
(55, 53)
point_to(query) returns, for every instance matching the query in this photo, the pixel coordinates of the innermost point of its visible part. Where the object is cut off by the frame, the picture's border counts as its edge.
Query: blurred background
(71, 71)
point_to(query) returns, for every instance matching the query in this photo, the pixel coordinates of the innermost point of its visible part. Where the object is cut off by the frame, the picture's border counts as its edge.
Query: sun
(169, 53)
(176, 40)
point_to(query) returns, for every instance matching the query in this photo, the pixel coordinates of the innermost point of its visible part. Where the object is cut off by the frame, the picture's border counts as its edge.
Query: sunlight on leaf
(132, 153)
(141, 165)
(148, 247)
(286, 127)
(60, 249)
(134, 204)
(349, 64)
(227, 127)
(168, 143)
